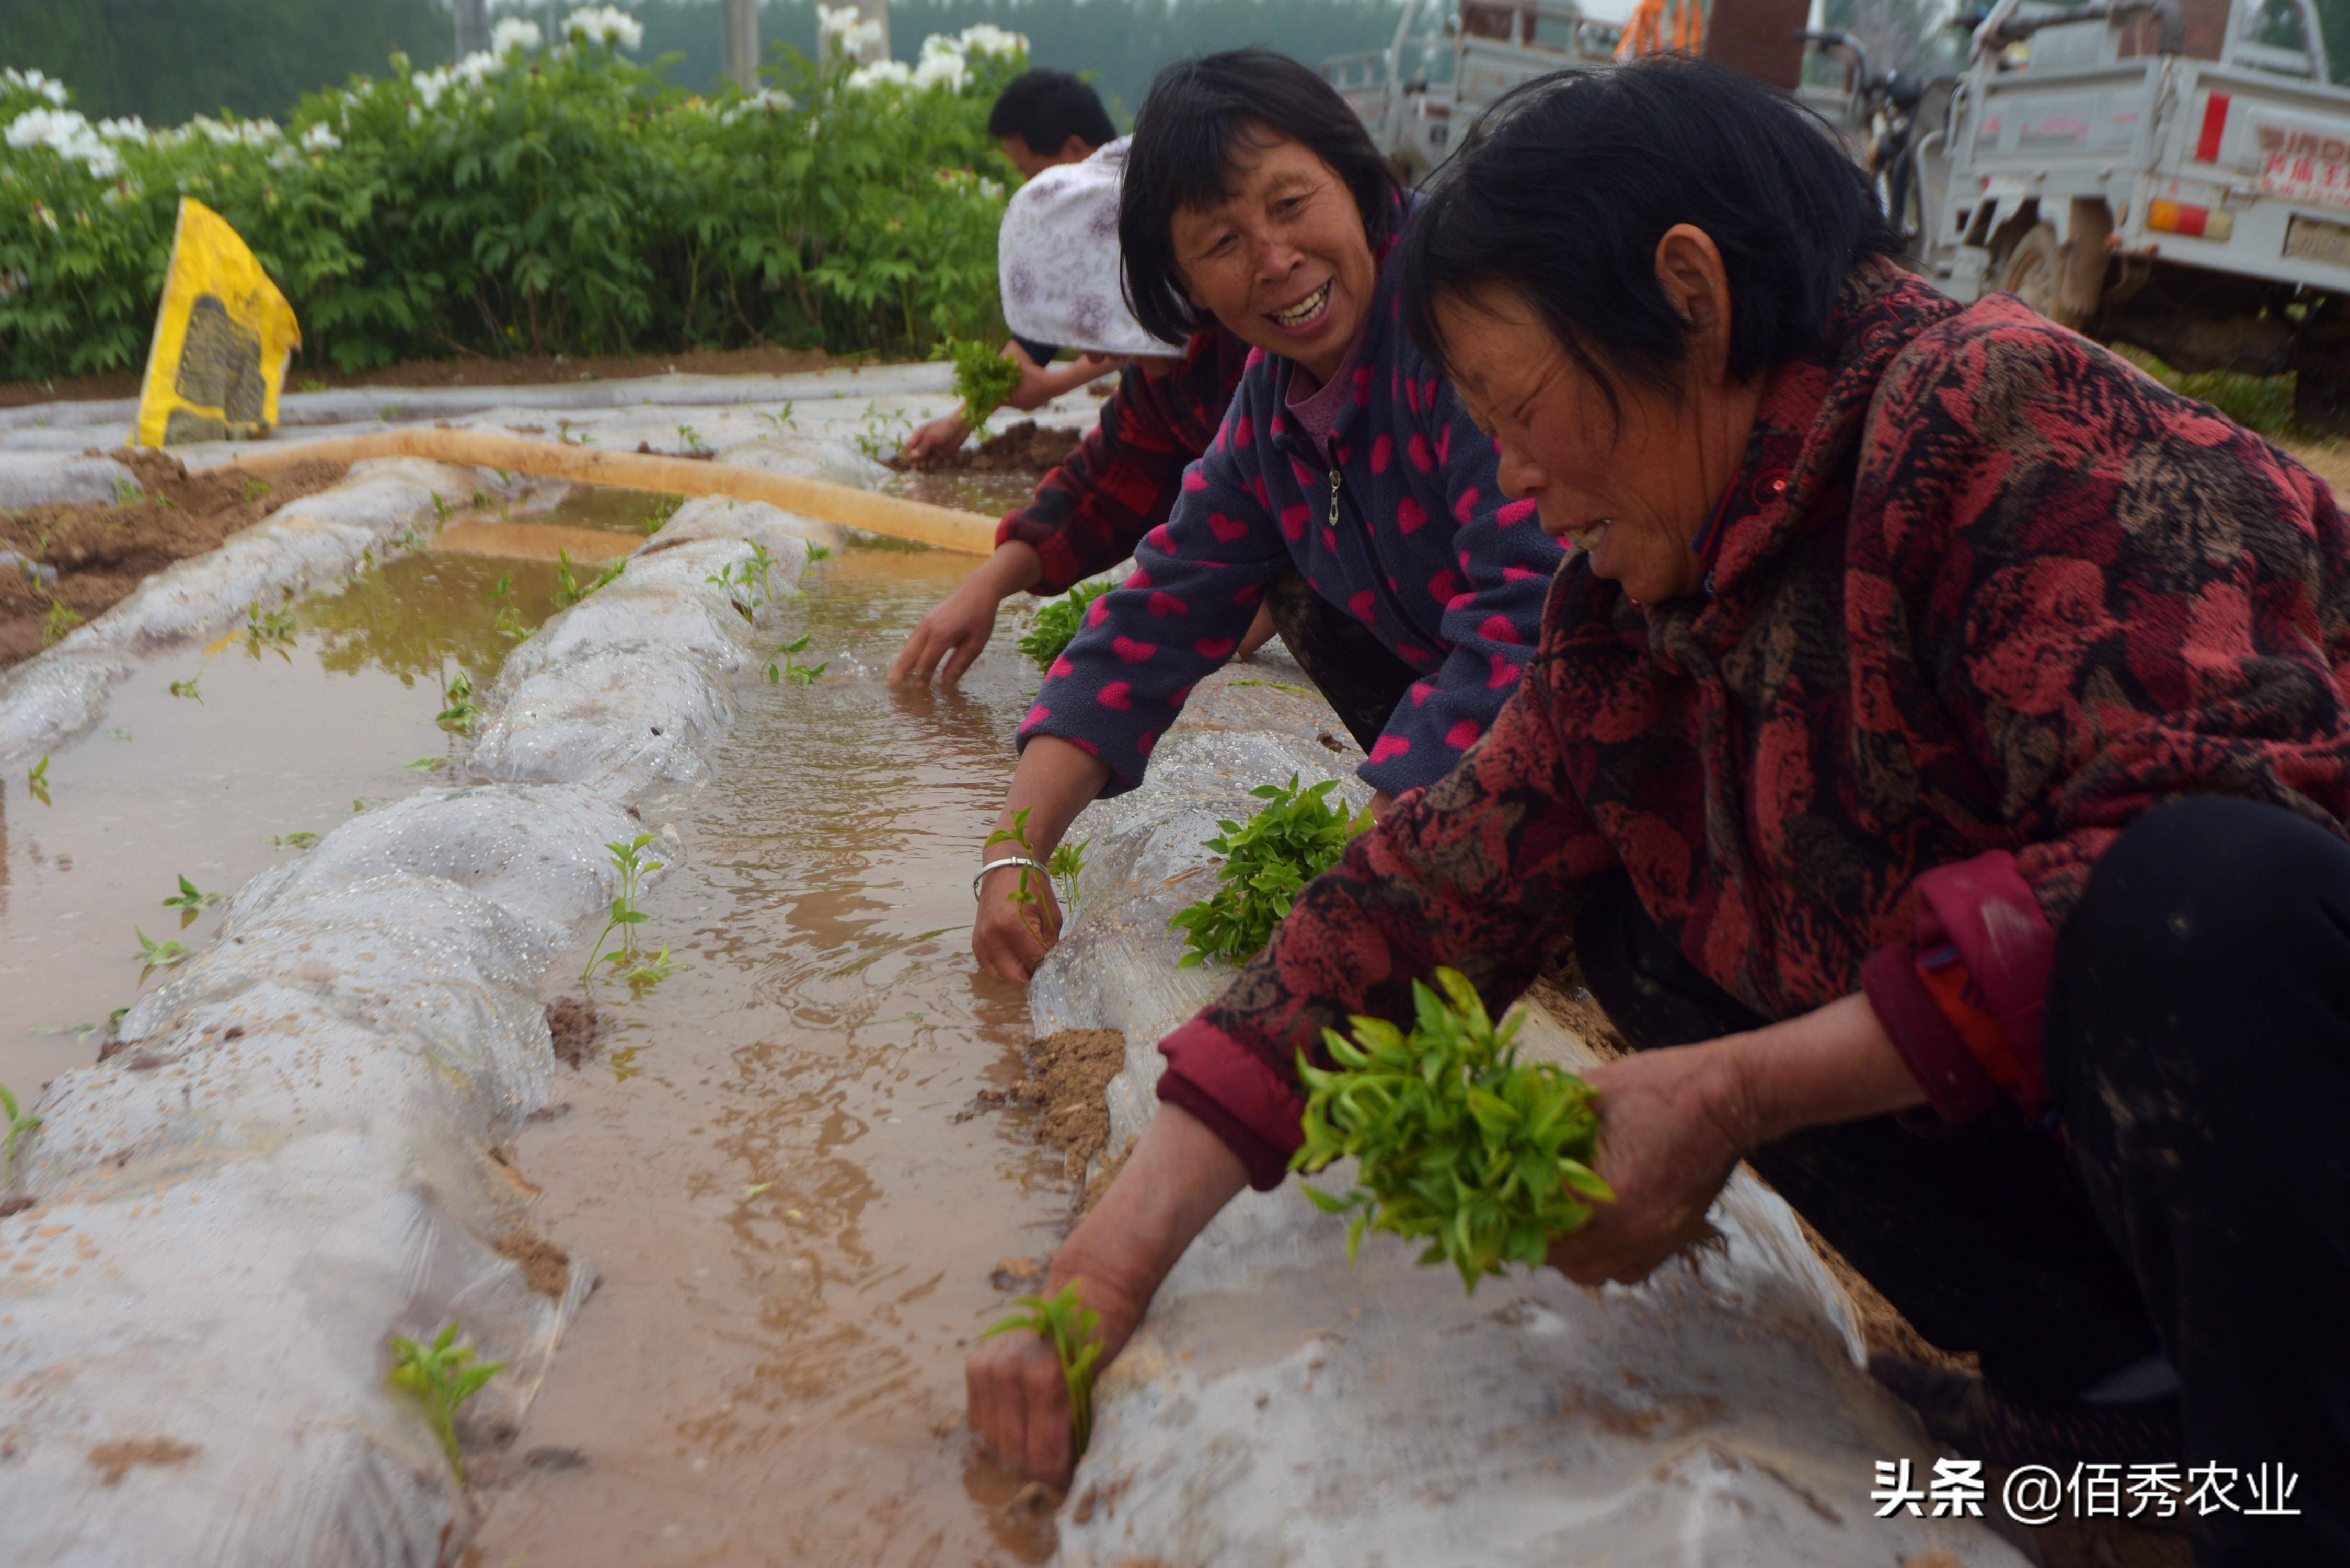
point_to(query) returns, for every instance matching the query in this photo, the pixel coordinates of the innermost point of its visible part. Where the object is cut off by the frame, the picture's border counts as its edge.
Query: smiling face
(1283, 262)
(1634, 489)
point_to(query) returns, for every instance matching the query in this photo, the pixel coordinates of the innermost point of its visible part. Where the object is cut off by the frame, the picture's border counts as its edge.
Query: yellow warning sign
(222, 336)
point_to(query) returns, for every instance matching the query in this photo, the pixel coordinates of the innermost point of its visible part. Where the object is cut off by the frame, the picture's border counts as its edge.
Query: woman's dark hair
(1568, 183)
(1203, 115)
(1044, 109)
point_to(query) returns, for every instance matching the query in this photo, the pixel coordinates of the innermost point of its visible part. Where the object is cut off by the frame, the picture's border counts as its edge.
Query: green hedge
(555, 201)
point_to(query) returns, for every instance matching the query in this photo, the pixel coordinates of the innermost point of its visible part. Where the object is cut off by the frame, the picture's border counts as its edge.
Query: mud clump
(99, 553)
(574, 1025)
(117, 1459)
(1068, 1070)
(545, 1267)
(1024, 448)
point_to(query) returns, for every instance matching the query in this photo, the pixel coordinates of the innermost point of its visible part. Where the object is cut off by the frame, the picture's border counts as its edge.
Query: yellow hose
(943, 526)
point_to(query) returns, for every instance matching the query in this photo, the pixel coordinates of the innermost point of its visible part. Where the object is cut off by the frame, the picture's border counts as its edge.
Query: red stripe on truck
(2215, 121)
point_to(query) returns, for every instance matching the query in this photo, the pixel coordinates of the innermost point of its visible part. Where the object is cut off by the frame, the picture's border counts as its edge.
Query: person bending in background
(1058, 264)
(1254, 200)
(1044, 120)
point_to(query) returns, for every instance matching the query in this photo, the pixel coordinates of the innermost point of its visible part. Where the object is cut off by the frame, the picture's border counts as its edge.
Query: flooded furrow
(773, 1160)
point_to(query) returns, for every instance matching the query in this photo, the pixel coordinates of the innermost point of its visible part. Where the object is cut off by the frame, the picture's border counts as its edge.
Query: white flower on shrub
(841, 28)
(431, 84)
(514, 33)
(985, 39)
(605, 24)
(941, 66)
(35, 82)
(766, 100)
(476, 68)
(131, 129)
(67, 133)
(890, 73)
(320, 138)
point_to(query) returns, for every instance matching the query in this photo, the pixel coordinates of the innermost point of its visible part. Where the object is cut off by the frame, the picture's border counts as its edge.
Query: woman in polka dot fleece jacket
(1367, 478)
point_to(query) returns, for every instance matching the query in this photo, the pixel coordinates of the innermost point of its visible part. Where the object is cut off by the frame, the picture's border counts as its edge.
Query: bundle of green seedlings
(1066, 866)
(1457, 1144)
(1068, 1326)
(1057, 623)
(1295, 837)
(984, 377)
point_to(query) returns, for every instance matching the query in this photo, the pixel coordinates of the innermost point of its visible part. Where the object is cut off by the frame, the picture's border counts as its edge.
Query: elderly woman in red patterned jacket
(1937, 758)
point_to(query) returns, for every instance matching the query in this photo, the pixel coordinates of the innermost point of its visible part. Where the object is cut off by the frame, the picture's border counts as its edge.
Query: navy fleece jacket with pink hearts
(1410, 534)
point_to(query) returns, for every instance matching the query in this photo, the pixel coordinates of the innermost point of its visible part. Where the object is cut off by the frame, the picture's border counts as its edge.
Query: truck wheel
(2033, 269)
(2321, 391)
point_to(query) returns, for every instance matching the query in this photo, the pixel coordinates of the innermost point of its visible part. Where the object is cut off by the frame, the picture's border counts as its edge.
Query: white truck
(2169, 173)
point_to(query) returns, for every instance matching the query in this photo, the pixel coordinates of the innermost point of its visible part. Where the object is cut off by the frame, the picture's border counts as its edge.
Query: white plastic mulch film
(1280, 1407)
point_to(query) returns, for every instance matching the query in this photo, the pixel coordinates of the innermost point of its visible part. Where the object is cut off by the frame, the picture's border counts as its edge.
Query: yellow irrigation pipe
(943, 526)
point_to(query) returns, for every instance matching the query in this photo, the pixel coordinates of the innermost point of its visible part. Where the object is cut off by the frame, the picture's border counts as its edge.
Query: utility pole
(740, 58)
(472, 26)
(874, 11)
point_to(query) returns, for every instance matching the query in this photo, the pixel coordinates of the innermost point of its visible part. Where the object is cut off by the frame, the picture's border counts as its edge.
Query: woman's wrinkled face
(1283, 262)
(1632, 491)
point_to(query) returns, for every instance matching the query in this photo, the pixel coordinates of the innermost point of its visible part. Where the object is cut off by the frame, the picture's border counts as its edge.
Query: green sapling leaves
(1295, 837)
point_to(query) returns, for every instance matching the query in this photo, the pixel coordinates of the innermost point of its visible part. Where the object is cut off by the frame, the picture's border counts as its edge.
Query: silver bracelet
(998, 866)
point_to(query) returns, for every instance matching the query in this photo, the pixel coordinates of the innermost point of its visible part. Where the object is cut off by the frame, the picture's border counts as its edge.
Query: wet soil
(102, 552)
(522, 370)
(545, 1267)
(795, 1223)
(1069, 1071)
(117, 1459)
(1024, 448)
(574, 1025)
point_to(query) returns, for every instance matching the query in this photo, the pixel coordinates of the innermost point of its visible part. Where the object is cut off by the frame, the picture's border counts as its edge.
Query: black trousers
(1357, 672)
(2194, 1195)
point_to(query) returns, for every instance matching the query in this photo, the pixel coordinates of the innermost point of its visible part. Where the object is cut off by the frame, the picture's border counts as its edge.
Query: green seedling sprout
(441, 510)
(628, 859)
(782, 422)
(748, 585)
(884, 431)
(507, 624)
(191, 901)
(664, 508)
(153, 955)
(188, 688)
(426, 764)
(1294, 838)
(1069, 1326)
(1016, 836)
(38, 780)
(567, 591)
(788, 668)
(1457, 1144)
(267, 628)
(255, 489)
(20, 1122)
(1057, 623)
(441, 1379)
(127, 493)
(1066, 866)
(60, 620)
(693, 441)
(293, 840)
(983, 378)
(461, 712)
(642, 971)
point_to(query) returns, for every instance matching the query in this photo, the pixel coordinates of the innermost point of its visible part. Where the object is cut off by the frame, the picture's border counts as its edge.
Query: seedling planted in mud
(693, 441)
(441, 1379)
(20, 1122)
(255, 489)
(38, 780)
(153, 955)
(460, 711)
(782, 422)
(1457, 1144)
(1295, 837)
(1066, 866)
(567, 591)
(748, 585)
(884, 431)
(642, 971)
(629, 860)
(191, 901)
(59, 621)
(788, 668)
(506, 623)
(188, 689)
(441, 510)
(664, 508)
(1057, 623)
(1069, 1326)
(267, 628)
(293, 840)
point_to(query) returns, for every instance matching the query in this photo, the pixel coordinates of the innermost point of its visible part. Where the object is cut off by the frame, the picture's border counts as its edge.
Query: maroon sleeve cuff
(1052, 546)
(1956, 1084)
(1986, 910)
(1243, 1101)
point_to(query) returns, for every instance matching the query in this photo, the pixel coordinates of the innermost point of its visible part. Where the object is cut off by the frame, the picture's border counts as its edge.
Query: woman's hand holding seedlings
(1179, 1176)
(1008, 936)
(1673, 1125)
(1055, 781)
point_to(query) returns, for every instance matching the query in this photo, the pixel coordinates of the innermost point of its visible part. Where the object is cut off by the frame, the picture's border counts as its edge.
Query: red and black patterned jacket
(1982, 596)
(1122, 481)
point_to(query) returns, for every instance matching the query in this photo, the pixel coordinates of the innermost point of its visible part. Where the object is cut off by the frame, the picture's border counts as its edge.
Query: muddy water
(772, 1166)
(280, 737)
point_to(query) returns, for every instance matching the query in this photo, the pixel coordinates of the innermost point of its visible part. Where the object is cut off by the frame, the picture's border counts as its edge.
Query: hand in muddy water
(950, 637)
(1009, 940)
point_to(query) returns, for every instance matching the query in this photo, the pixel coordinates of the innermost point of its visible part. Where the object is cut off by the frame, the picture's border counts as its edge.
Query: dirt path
(99, 553)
